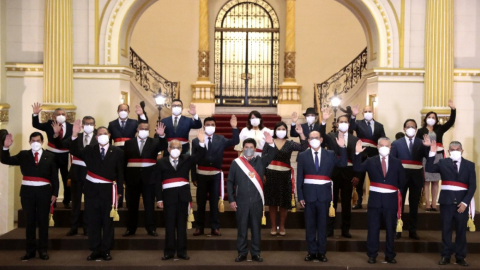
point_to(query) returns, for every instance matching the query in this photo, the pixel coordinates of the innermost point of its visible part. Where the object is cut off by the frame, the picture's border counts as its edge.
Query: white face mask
(177, 111)
(143, 134)
(61, 119)
(255, 122)
(431, 121)
(123, 114)
(88, 129)
(343, 127)
(384, 151)
(410, 132)
(310, 119)
(103, 139)
(368, 116)
(36, 146)
(315, 143)
(175, 153)
(281, 134)
(209, 130)
(455, 155)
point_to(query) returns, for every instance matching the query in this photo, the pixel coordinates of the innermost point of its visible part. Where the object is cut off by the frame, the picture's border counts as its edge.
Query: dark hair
(410, 120)
(178, 100)
(257, 115)
(98, 129)
(250, 140)
(35, 134)
(399, 135)
(209, 119)
(277, 125)
(346, 116)
(426, 116)
(128, 106)
(88, 118)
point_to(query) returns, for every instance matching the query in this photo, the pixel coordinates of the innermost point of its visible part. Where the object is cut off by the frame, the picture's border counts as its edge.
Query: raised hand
(433, 146)
(451, 105)
(326, 114)
(36, 108)
(426, 140)
(268, 137)
(355, 109)
(341, 141)
(233, 121)
(160, 129)
(193, 109)
(201, 135)
(294, 117)
(358, 147)
(8, 140)
(56, 127)
(138, 109)
(77, 126)
(299, 129)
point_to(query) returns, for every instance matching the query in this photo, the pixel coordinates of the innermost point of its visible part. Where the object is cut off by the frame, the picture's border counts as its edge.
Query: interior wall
(466, 29)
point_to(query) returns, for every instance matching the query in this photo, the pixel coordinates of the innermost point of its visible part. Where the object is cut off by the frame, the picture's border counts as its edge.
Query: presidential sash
(252, 175)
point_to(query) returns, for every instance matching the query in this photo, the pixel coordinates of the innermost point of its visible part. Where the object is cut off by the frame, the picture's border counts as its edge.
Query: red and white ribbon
(209, 171)
(318, 180)
(34, 181)
(77, 161)
(141, 162)
(411, 164)
(349, 162)
(283, 167)
(457, 186)
(174, 182)
(368, 143)
(51, 147)
(250, 172)
(440, 147)
(97, 179)
(120, 141)
(181, 140)
(385, 188)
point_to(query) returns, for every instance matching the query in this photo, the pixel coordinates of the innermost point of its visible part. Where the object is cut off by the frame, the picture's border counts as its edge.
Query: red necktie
(61, 132)
(36, 158)
(384, 167)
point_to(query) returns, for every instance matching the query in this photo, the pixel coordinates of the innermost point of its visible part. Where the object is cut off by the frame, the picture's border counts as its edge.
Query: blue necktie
(317, 163)
(369, 129)
(410, 146)
(102, 153)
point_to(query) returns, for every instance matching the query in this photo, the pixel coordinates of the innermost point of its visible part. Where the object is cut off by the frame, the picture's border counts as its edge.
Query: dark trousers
(61, 159)
(100, 224)
(375, 218)
(133, 192)
(449, 215)
(176, 215)
(208, 185)
(78, 181)
(249, 215)
(369, 152)
(316, 214)
(342, 181)
(414, 185)
(36, 207)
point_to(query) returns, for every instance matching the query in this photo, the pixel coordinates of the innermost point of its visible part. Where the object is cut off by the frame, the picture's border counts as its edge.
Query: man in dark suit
(245, 194)
(387, 177)
(314, 191)
(61, 154)
(173, 192)
(208, 175)
(411, 151)
(103, 188)
(311, 125)
(141, 157)
(38, 192)
(178, 127)
(458, 187)
(343, 178)
(368, 131)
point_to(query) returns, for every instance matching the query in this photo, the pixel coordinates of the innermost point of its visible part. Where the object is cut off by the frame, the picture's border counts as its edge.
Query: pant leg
(67, 193)
(346, 189)
(93, 210)
(336, 191)
(311, 227)
(322, 215)
(242, 228)
(170, 212)
(415, 192)
(76, 197)
(214, 190)
(85, 217)
(361, 182)
(148, 194)
(133, 191)
(446, 215)
(373, 234)
(182, 218)
(461, 234)
(255, 217)
(107, 226)
(201, 201)
(43, 200)
(29, 210)
(390, 219)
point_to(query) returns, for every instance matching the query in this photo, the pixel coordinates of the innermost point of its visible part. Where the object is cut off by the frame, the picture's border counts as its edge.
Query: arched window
(246, 54)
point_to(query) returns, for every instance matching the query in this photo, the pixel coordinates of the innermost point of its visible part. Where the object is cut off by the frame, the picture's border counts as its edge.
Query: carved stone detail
(290, 65)
(47, 115)
(203, 64)
(4, 116)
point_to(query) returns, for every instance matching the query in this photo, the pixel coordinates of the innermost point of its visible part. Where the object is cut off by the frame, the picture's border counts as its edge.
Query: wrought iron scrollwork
(153, 82)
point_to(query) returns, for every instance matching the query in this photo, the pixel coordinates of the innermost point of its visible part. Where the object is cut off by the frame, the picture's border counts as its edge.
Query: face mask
(248, 152)
(60, 119)
(209, 130)
(281, 134)
(103, 139)
(88, 129)
(310, 119)
(143, 134)
(314, 143)
(431, 121)
(36, 146)
(177, 110)
(175, 153)
(343, 127)
(456, 155)
(255, 122)
(410, 132)
(123, 114)
(368, 116)
(384, 151)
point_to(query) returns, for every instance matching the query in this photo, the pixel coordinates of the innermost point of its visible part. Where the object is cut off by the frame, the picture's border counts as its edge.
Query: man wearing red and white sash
(245, 194)
(411, 151)
(38, 192)
(173, 191)
(456, 199)
(103, 189)
(140, 159)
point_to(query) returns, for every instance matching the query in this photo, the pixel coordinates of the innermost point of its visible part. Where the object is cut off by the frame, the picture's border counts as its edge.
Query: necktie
(175, 164)
(369, 129)
(175, 124)
(142, 144)
(123, 124)
(36, 158)
(384, 167)
(410, 146)
(85, 141)
(102, 153)
(317, 162)
(455, 163)
(209, 144)
(311, 127)
(61, 132)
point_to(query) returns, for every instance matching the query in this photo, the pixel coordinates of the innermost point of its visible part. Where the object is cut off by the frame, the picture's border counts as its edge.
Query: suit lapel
(108, 153)
(137, 148)
(462, 168)
(379, 164)
(148, 142)
(93, 141)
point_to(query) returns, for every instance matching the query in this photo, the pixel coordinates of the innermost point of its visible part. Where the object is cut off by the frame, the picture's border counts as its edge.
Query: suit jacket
(133, 175)
(214, 156)
(47, 128)
(395, 177)
(400, 150)
(361, 129)
(306, 130)
(46, 168)
(328, 161)
(116, 131)
(448, 172)
(439, 129)
(77, 172)
(185, 124)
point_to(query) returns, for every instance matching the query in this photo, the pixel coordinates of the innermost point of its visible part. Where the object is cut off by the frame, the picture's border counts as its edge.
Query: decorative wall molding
(79, 71)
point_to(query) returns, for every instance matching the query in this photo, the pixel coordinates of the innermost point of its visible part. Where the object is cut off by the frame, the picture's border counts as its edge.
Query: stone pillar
(438, 57)
(58, 59)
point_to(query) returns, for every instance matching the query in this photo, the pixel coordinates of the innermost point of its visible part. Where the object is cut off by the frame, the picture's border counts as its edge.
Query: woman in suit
(254, 130)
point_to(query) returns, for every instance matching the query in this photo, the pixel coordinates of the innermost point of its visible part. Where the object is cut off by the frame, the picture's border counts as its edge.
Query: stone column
(58, 59)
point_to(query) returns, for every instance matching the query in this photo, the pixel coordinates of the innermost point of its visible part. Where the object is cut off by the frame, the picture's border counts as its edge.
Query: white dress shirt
(407, 139)
(319, 155)
(39, 154)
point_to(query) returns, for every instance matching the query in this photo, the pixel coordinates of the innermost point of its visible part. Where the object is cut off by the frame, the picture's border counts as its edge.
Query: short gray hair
(455, 143)
(384, 139)
(58, 109)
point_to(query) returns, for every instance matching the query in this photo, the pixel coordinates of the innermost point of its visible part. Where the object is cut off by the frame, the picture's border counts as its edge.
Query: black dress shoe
(357, 206)
(216, 233)
(329, 233)
(241, 258)
(183, 257)
(372, 260)
(257, 258)
(27, 256)
(390, 260)
(152, 233)
(94, 256)
(322, 257)
(444, 261)
(128, 233)
(198, 232)
(346, 235)
(44, 256)
(107, 257)
(310, 257)
(398, 235)
(72, 232)
(461, 262)
(414, 236)
(167, 257)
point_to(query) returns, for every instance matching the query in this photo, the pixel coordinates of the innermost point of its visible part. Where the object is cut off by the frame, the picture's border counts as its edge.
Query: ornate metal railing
(340, 82)
(153, 82)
